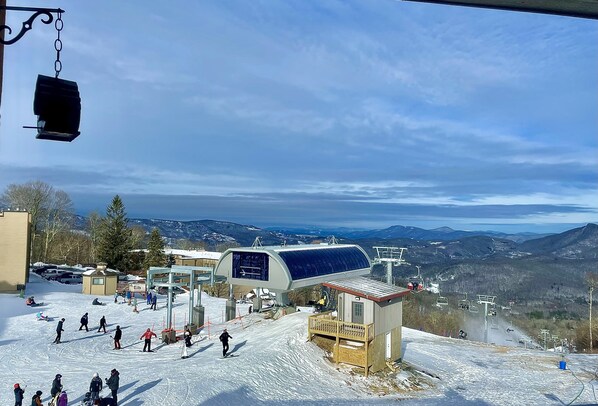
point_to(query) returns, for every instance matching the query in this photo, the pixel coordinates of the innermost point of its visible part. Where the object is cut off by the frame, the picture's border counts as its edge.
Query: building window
(97, 281)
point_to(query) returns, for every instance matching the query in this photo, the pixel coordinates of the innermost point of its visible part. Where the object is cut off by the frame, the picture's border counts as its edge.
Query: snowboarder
(135, 305)
(149, 297)
(30, 301)
(129, 297)
(224, 337)
(56, 386)
(102, 324)
(116, 296)
(84, 321)
(95, 386)
(117, 336)
(59, 331)
(154, 301)
(36, 400)
(112, 383)
(96, 302)
(63, 399)
(187, 336)
(18, 395)
(148, 339)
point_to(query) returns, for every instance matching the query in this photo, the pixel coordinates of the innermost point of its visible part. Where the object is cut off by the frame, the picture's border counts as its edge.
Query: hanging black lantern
(57, 106)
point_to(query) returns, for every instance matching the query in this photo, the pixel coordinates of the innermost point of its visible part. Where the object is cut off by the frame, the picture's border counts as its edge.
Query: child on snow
(18, 395)
(36, 400)
(95, 386)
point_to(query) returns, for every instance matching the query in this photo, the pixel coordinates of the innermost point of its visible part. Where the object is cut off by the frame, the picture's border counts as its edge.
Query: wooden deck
(324, 324)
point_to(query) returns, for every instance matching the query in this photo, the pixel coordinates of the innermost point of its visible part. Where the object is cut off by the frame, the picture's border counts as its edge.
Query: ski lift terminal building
(284, 268)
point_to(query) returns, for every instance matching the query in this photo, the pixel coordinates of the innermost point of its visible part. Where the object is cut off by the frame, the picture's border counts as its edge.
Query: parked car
(52, 274)
(71, 280)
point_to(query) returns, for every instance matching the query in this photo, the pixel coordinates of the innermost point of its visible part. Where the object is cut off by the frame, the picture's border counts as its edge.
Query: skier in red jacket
(148, 339)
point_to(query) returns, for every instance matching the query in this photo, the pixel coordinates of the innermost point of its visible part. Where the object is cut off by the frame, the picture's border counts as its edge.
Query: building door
(388, 345)
(357, 312)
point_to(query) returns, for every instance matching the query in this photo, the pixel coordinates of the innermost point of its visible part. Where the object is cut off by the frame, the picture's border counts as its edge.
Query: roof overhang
(368, 288)
(569, 8)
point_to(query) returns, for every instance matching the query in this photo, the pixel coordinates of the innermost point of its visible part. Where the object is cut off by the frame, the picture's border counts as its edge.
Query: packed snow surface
(275, 364)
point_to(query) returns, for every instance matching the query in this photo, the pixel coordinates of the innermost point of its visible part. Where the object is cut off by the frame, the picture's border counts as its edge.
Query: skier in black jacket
(56, 386)
(112, 383)
(117, 336)
(102, 324)
(224, 340)
(84, 321)
(18, 395)
(59, 331)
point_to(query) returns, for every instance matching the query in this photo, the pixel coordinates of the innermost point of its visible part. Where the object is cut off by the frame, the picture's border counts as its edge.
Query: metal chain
(58, 44)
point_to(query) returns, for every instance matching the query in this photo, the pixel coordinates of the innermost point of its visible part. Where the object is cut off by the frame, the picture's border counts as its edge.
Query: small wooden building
(100, 281)
(367, 329)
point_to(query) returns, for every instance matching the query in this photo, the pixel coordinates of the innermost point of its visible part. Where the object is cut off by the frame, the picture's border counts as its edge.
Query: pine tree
(115, 237)
(155, 247)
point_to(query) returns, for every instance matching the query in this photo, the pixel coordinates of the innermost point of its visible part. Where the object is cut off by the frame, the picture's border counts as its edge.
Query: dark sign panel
(250, 265)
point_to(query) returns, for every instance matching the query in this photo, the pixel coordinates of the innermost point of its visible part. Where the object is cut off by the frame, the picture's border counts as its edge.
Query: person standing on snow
(116, 296)
(224, 337)
(84, 321)
(36, 400)
(148, 339)
(102, 324)
(112, 383)
(149, 297)
(18, 395)
(59, 331)
(187, 336)
(56, 386)
(154, 301)
(117, 336)
(63, 399)
(95, 386)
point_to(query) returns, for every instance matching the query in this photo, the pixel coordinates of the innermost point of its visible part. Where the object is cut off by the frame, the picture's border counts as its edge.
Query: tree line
(105, 238)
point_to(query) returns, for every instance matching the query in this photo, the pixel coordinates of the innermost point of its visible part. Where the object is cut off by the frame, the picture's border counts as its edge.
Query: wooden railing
(327, 325)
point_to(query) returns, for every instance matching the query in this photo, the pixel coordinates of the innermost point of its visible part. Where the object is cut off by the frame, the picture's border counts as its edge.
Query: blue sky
(358, 114)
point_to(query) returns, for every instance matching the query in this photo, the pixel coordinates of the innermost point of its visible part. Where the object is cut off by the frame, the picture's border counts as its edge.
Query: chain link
(58, 44)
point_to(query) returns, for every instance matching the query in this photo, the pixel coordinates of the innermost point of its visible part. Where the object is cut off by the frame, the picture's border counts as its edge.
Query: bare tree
(592, 282)
(33, 197)
(58, 218)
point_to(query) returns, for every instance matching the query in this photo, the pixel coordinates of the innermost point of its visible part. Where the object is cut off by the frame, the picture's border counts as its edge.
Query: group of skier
(59, 396)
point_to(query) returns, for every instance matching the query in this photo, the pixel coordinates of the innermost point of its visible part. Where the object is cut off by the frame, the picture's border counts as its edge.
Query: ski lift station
(281, 269)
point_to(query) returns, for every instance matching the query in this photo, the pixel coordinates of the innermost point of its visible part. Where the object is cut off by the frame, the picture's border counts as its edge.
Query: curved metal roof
(304, 263)
(289, 267)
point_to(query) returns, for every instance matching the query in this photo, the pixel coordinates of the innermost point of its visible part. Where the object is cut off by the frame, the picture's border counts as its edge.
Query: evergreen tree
(155, 247)
(115, 237)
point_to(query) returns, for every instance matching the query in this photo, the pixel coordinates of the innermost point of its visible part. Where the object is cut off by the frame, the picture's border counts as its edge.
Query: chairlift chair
(441, 301)
(416, 283)
(473, 308)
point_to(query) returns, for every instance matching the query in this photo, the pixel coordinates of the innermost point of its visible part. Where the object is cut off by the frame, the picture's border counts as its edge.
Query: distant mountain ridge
(416, 233)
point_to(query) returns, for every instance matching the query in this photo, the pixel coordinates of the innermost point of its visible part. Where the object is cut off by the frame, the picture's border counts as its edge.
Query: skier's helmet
(38, 393)
(95, 374)
(58, 376)
(16, 385)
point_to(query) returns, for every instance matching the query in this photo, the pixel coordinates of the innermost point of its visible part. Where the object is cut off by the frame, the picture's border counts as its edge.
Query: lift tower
(389, 256)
